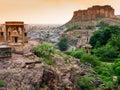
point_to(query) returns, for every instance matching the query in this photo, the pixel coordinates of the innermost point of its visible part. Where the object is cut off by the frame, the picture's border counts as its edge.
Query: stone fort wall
(94, 12)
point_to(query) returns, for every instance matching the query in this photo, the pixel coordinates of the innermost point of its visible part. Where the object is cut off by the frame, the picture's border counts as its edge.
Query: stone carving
(94, 12)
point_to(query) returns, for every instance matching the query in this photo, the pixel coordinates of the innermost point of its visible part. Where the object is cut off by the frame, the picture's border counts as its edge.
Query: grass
(48, 61)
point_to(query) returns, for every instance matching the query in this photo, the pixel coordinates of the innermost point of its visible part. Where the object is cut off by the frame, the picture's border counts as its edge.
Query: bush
(77, 54)
(44, 50)
(116, 66)
(2, 83)
(106, 53)
(104, 70)
(85, 83)
(63, 44)
(93, 60)
(42, 84)
(115, 41)
(106, 73)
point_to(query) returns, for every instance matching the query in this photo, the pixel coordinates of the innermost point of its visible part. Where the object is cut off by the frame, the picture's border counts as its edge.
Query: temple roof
(13, 23)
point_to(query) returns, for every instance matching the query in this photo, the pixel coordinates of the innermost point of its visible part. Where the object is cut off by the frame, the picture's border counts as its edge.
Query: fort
(94, 12)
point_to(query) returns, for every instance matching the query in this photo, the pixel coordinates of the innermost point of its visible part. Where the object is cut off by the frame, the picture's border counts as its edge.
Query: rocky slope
(77, 38)
(28, 72)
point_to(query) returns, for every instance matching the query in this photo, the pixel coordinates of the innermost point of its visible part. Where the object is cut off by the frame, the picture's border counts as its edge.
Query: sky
(47, 11)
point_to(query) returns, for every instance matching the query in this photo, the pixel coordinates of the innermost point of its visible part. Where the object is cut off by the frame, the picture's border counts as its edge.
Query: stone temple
(13, 35)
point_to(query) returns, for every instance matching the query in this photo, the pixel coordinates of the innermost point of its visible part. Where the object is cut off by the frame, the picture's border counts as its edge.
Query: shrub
(63, 44)
(106, 73)
(106, 53)
(49, 61)
(44, 50)
(85, 83)
(115, 41)
(42, 84)
(116, 66)
(93, 60)
(2, 83)
(78, 53)
(104, 70)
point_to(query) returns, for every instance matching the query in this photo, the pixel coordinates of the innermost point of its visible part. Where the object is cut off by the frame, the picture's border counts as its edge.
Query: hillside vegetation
(104, 57)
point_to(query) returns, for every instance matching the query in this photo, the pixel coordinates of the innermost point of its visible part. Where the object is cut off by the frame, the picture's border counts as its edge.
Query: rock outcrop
(29, 72)
(31, 75)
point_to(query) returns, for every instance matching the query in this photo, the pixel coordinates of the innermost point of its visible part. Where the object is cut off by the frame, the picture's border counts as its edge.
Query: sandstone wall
(93, 13)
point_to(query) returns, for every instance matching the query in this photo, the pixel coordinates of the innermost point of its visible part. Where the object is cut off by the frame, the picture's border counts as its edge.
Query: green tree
(63, 44)
(115, 41)
(97, 44)
(104, 35)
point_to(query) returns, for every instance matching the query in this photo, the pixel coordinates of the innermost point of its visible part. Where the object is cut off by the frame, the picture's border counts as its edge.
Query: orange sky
(47, 11)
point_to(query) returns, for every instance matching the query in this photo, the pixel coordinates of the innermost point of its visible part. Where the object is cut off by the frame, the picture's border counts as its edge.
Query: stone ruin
(94, 12)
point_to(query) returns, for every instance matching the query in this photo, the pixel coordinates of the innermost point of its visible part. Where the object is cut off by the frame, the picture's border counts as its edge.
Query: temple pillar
(23, 31)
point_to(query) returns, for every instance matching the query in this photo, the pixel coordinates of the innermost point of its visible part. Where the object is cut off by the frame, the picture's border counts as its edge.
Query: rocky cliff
(92, 16)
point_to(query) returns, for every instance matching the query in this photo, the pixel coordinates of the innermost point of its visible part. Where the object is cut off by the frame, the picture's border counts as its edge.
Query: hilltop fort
(94, 12)
(93, 16)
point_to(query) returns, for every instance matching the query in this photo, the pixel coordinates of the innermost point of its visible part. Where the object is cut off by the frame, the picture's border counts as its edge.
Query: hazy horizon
(47, 11)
